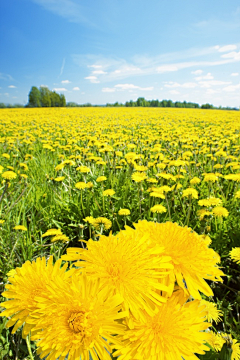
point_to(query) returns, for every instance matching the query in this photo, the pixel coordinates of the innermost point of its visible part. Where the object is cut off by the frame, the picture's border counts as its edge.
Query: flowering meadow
(119, 234)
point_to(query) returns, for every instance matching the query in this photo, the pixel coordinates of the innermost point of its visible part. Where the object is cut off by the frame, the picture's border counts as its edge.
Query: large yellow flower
(77, 319)
(126, 265)
(192, 259)
(174, 333)
(29, 281)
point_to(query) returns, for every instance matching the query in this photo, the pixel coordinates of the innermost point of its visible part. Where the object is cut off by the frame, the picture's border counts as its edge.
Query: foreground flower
(158, 209)
(220, 211)
(139, 176)
(212, 201)
(126, 265)
(29, 281)
(102, 221)
(188, 252)
(109, 192)
(77, 320)
(174, 333)
(81, 185)
(235, 254)
(20, 227)
(124, 212)
(213, 314)
(51, 232)
(9, 175)
(190, 192)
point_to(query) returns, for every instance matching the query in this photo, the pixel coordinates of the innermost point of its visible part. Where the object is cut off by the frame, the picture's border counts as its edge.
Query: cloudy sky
(101, 51)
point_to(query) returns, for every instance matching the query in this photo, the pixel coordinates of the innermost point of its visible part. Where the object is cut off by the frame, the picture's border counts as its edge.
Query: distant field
(90, 171)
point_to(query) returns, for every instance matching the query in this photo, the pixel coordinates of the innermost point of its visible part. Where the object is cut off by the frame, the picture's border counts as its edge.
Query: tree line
(43, 97)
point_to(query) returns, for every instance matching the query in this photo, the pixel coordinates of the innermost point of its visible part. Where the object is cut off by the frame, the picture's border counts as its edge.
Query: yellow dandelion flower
(202, 213)
(59, 178)
(9, 175)
(215, 341)
(102, 221)
(152, 180)
(51, 232)
(59, 167)
(210, 177)
(175, 332)
(190, 192)
(235, 254)
(220, 211)
(20, 227)
(234, 177)
(59, 238)
(89, 184)
(235, 350)
(157, 194)
(158, 209)
(83, 169)
(127, 265)
(188, 253)
(24, 176)
(28, 282)
(1, 169)
(11, 273)
(82, 320)
(101, 178)
(2, 221)
(124, 212)
(237, 195)
(139, 176)
(213, 314)
(164, 188)
(81, 185)
(195, 180)
(89, 219)
(6, 156)
(24, 166)
(109, 192)
(211, 201)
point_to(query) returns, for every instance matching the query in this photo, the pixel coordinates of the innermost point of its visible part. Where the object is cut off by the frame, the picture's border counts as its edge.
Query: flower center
(80, 323)
(114, 269)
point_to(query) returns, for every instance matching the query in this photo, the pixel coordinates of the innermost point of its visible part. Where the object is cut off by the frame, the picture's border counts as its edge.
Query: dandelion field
(158, 188)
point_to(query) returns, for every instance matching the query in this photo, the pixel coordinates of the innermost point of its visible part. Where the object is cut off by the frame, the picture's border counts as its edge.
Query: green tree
(62, 100)
(45, 96)
(34, 97)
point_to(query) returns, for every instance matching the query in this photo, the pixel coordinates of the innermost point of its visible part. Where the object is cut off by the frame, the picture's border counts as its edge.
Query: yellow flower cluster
(120, 293)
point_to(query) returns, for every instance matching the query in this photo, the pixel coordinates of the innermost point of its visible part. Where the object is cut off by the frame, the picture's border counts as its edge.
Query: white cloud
(43, 86)
(231, 88)
(6, 94)
(59, 89)
(6, 77)
(65, 82)
(187, 85)
(95, 66)
(210, 83)
(99, 72)
(68, 9)
(205, 77)
(93, 79)
(234, 74)
(167, 68)
(131, 87)
(197, 72)
(174, 92)
(232, 55)
(227, 48)
(12, 87)
(109, 90)
(76, 88)
(62, 67)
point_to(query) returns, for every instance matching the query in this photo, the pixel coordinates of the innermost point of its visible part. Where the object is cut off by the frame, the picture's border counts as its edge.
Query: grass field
(88, 172)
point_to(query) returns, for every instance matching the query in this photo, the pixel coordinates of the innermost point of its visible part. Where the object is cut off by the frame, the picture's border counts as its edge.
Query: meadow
(70, 175)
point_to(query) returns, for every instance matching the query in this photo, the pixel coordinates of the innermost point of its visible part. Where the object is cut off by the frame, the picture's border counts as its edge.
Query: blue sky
(101, 51)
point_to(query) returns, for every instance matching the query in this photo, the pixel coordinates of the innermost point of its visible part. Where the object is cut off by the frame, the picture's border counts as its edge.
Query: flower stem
(29, 347)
